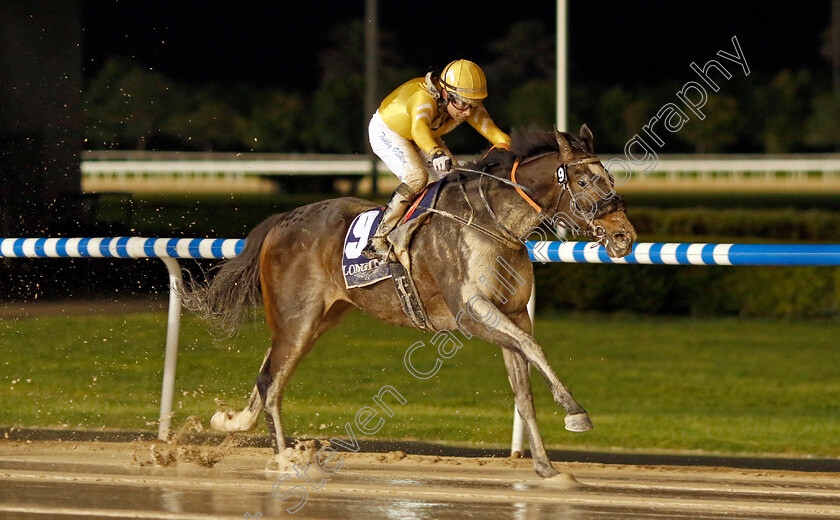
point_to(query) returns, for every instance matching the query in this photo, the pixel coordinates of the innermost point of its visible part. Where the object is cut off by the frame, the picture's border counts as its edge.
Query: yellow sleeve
(480, 120)
(422, 109)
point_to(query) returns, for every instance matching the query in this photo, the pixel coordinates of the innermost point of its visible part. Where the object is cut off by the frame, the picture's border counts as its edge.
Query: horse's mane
(526, 143)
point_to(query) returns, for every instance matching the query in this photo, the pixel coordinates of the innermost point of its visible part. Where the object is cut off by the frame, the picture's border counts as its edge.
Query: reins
(510, 182)
(515, 244)
(521, 192)
(512, 240)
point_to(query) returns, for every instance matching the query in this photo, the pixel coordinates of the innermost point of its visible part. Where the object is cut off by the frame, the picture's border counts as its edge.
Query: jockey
(405, 133)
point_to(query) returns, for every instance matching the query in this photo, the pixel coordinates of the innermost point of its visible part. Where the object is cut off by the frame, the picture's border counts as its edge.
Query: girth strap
(409, 299)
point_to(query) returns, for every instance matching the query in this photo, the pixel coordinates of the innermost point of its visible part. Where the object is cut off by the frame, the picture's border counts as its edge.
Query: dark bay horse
(292, 261)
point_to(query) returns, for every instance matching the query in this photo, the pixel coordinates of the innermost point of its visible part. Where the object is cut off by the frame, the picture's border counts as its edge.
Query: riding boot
(378, 246)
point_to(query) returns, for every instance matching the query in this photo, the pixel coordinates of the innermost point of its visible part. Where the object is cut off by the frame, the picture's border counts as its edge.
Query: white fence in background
(112, 165)
(742, 167)
(121, 165)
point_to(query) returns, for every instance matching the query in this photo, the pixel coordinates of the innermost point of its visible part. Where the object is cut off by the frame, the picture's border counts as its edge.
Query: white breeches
(409, 163)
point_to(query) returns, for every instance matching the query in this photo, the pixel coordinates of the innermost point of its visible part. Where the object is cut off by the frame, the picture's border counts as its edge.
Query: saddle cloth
(360, 271)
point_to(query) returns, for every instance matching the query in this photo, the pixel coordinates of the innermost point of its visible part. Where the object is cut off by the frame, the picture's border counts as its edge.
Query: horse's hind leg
(225, 421)
(293, 336)
(520, 382)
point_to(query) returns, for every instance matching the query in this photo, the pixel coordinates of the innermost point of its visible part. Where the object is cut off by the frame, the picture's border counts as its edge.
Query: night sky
(611, 42)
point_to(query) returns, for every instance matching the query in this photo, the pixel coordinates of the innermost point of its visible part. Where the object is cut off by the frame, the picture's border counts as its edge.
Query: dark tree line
(129, 106)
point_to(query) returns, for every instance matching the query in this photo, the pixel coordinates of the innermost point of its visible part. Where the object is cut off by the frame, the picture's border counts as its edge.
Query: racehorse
(485, 212)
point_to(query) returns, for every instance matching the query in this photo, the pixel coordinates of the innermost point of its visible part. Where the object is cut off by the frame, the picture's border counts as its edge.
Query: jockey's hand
(441, 161)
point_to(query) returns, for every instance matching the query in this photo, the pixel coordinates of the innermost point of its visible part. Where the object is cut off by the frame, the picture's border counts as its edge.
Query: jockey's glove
(441, 161)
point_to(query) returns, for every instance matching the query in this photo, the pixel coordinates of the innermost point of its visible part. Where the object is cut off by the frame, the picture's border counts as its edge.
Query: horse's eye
(582, 184)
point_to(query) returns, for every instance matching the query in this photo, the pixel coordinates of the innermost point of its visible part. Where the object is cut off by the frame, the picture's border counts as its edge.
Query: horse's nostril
(621, 238)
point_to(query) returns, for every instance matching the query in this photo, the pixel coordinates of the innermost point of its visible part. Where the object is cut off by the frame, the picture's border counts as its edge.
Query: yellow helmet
(465, 79)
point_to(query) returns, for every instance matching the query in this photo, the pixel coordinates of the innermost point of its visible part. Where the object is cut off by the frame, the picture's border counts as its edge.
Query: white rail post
(173, 329)
(518, 441)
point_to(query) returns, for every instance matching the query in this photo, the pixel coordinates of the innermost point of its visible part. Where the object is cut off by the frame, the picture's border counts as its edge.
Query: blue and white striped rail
(120, 247)
(655, 253)
(652, 253)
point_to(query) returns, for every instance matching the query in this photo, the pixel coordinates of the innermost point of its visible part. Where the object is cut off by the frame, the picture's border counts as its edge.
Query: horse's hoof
(546, 471)
(562, 481)
(217, 422)
(578, 422)
(279, 463)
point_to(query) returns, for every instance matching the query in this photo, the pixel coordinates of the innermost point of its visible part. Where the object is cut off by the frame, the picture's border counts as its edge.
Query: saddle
(360, 271)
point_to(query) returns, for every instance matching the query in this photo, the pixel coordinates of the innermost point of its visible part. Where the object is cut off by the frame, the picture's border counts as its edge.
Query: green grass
(713, 385)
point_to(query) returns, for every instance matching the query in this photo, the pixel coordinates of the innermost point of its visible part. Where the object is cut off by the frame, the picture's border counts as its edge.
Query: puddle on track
(38, 482)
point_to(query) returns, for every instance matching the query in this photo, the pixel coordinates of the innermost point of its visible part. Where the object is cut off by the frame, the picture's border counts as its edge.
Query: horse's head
(569, 180)
(593, 201)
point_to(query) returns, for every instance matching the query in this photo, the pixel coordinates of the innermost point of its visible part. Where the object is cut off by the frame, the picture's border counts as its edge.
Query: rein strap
(528, 199)
(500, 179)
(514, 244)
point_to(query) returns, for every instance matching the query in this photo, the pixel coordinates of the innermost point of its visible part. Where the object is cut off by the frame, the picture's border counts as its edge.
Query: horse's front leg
(517, 369)
(491, 325)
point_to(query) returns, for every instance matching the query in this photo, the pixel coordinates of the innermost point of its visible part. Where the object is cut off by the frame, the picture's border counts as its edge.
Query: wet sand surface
(145, 479)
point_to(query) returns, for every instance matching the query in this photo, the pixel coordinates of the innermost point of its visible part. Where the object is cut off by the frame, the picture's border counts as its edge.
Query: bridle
(604, 205)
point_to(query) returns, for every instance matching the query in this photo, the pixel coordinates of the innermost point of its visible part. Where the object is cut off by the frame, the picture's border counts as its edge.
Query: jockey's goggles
(460, 103)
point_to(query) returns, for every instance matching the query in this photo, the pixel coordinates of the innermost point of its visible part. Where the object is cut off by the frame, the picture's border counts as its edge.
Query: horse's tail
(235, 286)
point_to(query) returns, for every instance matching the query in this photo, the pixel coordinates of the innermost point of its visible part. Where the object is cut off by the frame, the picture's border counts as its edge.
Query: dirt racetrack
(147, 479)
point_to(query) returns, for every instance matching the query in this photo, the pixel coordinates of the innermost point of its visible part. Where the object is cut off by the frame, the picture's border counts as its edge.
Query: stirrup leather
(378, 245)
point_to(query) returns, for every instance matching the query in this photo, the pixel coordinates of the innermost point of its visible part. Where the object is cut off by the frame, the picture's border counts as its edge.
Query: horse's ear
(565, 148)
(588, 138)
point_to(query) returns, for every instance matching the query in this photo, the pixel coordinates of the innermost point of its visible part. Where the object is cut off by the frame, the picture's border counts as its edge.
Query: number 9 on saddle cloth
(360, 271)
